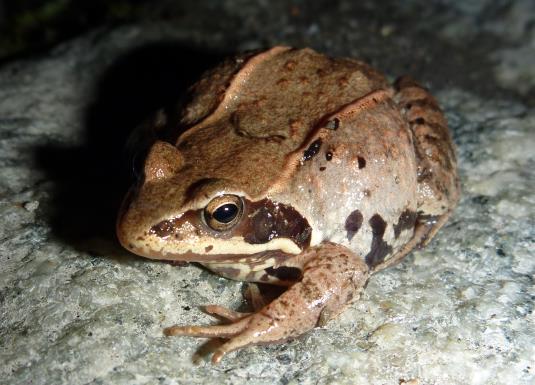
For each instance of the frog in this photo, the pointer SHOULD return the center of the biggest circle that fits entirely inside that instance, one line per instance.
(294, 169)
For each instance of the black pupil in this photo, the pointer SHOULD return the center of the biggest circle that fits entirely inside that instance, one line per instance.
(225, 213)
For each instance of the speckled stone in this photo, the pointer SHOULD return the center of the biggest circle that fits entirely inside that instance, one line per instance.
(77, 309)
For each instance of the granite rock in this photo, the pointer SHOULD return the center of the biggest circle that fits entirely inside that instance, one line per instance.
(77, 309)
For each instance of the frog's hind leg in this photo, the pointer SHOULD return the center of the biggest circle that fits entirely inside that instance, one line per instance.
(332, 277)
(438, 184)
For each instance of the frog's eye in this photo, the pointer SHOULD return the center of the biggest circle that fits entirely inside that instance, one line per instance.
(223, 212)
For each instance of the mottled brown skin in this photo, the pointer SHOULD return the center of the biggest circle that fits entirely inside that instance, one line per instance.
(329, 173)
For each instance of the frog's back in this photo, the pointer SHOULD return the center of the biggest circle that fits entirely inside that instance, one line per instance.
(266, 107)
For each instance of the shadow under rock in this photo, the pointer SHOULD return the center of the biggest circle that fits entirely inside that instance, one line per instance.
(91, 180)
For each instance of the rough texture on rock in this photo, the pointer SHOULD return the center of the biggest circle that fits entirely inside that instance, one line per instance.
(76, 309)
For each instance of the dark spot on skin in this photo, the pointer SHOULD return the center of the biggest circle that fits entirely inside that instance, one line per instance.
(367, 193)
(428, 219)
(267, 220)
(285, 273)
(163, 229)
(408, 106)
(361, 162)
(322, 168)
(406, 221)
(378, 225)
(175, 263)
(229, 272)
(208, 248)
(312, 150)
(284, 303)
(418, 121)
(353, 224)
(328, 155)
(423, 173)
(379, 248)
(333, 124)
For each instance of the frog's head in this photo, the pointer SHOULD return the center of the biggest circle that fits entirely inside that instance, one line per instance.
(183, 211)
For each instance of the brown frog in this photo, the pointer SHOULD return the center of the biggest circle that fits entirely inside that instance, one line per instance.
(299, 170)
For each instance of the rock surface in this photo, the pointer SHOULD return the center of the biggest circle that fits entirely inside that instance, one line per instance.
(76, 309)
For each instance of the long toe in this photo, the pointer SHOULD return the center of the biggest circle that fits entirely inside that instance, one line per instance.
(223, 331)
(225, 313)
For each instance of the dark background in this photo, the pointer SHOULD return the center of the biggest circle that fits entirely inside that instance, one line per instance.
(28, 26)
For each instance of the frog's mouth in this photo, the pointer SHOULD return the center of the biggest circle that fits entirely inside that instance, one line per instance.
(209, 249)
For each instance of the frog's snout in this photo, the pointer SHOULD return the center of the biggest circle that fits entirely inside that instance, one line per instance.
(123, 225)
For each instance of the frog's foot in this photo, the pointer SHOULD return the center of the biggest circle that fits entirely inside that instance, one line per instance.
(332, 276)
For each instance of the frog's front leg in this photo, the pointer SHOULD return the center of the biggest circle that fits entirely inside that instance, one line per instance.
(332, 278)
